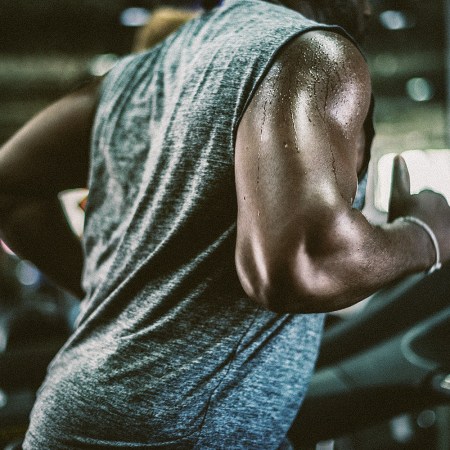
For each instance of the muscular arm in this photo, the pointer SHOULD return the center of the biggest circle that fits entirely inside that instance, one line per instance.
(300, 245)
(48, 155)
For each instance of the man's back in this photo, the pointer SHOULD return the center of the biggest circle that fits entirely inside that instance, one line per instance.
(168, 343)
(152, 317)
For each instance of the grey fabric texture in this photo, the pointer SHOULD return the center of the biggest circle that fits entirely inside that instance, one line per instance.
(168, 351)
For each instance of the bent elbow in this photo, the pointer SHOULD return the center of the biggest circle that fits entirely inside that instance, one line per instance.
(252, 271)
(317, 273)
(298, 285)
(281, 291)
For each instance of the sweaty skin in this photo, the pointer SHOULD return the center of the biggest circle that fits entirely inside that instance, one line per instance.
(300, 245)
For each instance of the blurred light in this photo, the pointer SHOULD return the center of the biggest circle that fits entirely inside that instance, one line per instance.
(420, 89)
(397, 20)
(402, 429)
(3, 399)
(445, 383)
(3, 342)
(325, 445)
(101, 64)
(72, 315)
(6, 248)
(386, 64)
(27, 274)
(428, 169)
(426, 419)
(134, 17)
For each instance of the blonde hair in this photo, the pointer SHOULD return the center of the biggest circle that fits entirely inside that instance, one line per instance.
(163, 22)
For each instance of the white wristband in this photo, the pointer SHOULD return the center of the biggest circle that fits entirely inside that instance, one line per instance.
(437, 265)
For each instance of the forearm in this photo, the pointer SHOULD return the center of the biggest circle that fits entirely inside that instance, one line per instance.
(361, 261)
(336, 263)
(36, 229)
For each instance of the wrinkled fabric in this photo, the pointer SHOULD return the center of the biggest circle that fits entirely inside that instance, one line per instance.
(168, 351)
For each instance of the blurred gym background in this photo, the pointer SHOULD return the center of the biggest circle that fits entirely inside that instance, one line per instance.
(49, 47)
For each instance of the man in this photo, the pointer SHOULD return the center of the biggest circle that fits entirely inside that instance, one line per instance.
(223, 168)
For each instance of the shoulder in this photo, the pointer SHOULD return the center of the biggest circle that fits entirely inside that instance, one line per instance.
(322, 72)
(325, 55)
(323, 47)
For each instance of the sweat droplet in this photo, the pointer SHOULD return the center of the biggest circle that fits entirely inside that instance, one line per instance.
(285, 146)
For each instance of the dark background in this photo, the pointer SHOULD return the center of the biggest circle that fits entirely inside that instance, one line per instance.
(48, 47)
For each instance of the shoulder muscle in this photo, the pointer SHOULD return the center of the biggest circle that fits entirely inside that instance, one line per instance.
(296, 154)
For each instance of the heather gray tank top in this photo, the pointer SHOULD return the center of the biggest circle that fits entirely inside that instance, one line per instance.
(169, 352)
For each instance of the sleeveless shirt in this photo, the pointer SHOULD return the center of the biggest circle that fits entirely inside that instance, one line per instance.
(168, 351)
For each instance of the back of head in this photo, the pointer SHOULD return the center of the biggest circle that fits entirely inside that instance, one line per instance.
(163, 22)
(209, 4)
(345, 13)
(349, 14)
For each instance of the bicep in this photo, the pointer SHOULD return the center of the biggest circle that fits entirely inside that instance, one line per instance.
(297, 152)
(51, 152)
